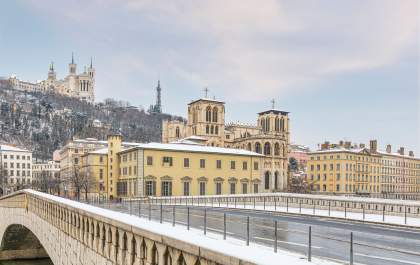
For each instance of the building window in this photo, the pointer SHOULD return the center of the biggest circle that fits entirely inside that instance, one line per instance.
(101, 173)
(219, 164)
(244, 165)
(149, 160)
(186, 162)
(121, 188)
(186, 188)
(202, 188)
(255, 165)
(167, 160)
(232, 188)
(267, 149)
(258, 148)
(208, 114)
(244, 188)
(214, 114)
(255, 188)
(338, 176)
(218, 188)
(232, 165)
(267, 180)
(166, 188)
(338, 187)
(177, 132)
(150, 188)
(202, 163)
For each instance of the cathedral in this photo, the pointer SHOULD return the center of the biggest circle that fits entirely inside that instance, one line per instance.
(81, 86)
(270, 136)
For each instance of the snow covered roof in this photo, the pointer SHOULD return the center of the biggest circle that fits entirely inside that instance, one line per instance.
(340, 149)
(102, 151)
(11, 148)
(206, 99)
(196, 137)
(197, 148)
(398, 155)
(275, 111)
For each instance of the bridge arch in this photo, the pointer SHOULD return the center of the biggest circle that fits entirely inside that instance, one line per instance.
(19, 242)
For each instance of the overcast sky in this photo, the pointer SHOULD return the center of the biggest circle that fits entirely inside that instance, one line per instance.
(344, 69)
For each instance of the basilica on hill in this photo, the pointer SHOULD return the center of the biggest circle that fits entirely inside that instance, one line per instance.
(77, 85)
(269, 137)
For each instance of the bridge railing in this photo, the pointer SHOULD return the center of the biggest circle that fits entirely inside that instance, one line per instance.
(304, 204)
(247, 227)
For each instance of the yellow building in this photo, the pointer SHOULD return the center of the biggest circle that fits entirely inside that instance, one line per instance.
(344, 168)
(156, 169)
(270, 136)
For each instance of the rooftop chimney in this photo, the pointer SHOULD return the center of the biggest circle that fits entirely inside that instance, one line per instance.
(341, 143)
(347, 145)
(401, 151)
(373, 146)
(388, 148)
(362, 145)
(411, 154)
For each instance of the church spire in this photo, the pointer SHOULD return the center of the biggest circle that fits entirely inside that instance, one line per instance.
(91, 62)
(52, 66)
(72, 58)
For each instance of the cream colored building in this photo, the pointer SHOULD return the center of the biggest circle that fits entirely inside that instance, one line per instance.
(400, 174)
(81, 86)
(71, 157)
(270, 136)
(188, 168)
(15, 168)
(49, 169)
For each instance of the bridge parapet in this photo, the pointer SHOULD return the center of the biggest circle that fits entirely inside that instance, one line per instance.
(84, 234)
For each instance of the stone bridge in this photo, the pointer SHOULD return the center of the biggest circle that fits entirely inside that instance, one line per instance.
(35, 225)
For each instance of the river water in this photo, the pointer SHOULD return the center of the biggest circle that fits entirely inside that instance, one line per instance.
(28, 262)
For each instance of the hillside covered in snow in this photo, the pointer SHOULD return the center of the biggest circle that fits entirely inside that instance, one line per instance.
(43, 122)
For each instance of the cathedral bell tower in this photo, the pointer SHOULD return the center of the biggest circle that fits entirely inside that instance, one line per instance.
(206, 119)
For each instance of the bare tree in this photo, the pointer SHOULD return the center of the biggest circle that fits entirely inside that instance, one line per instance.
(88, 183)
(76, 180)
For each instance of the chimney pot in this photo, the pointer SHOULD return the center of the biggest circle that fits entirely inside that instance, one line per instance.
(411, 154)
(388, 149)
(373, 146)
(401, 151)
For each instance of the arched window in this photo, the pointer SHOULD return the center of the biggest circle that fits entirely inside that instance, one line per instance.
(284, 150)
(263, 124)
(276, 180)
(177, 132)
(212, 129)
(258, 148)
(267, 148)
(249, 147)
(267, 124)
(207, 129)
(194, 116)
(267, 180)
(216, 130)
(276, 149)
(214, 114)
(282, 124)
(208, 114)
(277, 124)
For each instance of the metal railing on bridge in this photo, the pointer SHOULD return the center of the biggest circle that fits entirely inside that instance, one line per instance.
(198, 213)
